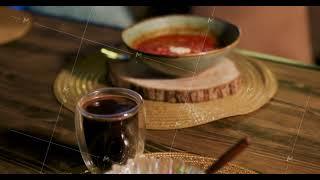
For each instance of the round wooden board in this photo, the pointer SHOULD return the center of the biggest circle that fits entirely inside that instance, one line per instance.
(219, 81)
(259, 85)
(14, 24)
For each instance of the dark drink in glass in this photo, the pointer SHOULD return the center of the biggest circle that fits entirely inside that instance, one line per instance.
(109, 125)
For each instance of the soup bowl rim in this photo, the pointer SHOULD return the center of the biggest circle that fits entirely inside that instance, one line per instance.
(211, 52)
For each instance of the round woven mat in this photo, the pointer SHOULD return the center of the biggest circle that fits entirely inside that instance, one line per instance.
(258, 86)
(202, 162)
(14, 24)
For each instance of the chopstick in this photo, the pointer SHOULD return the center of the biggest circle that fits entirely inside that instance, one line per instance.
(228, 156)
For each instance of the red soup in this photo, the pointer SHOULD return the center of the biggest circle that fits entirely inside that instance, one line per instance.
(177, 44)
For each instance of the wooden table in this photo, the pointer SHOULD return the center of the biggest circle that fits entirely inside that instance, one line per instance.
(285, 132)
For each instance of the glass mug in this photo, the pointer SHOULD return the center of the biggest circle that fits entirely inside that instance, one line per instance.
(110, 124)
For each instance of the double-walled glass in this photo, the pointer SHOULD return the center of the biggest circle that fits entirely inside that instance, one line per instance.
(105, 139)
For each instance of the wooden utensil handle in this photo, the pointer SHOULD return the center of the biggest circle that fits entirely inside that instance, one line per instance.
(228, 156)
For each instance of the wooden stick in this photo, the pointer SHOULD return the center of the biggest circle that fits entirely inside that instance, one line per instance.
(228, 156)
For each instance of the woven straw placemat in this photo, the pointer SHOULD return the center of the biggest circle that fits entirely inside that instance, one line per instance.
(258, 86)
(14, 24)
(202, 162)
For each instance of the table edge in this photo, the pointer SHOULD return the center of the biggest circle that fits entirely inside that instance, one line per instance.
(276, 59)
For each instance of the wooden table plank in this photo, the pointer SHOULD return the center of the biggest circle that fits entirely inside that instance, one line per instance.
(306, 149)
(28, 69)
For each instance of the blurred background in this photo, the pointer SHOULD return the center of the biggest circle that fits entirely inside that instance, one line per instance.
(287, 31)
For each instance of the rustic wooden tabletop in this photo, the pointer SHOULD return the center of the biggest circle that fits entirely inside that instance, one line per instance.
(285, 132)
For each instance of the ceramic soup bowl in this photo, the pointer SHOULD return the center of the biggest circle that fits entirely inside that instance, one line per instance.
(182, 65)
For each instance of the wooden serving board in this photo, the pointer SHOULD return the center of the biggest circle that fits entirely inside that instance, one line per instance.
(219, 81)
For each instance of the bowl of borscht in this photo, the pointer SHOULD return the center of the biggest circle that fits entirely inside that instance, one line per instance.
(181, 45)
